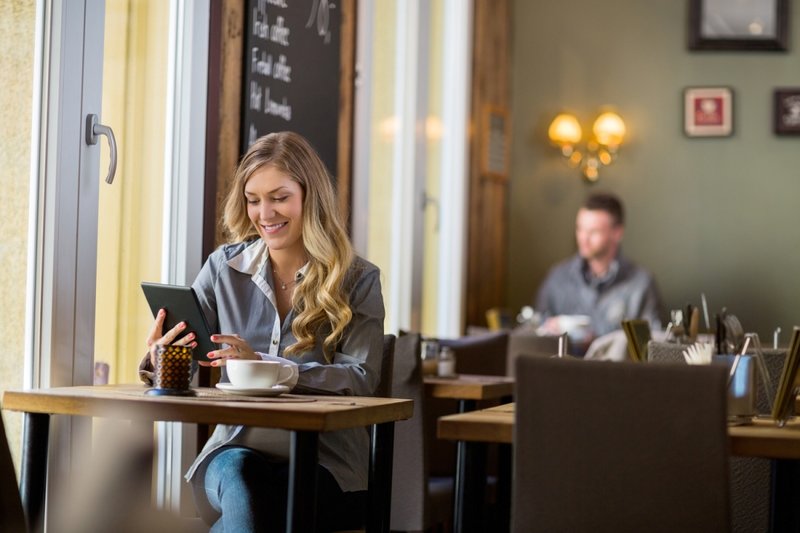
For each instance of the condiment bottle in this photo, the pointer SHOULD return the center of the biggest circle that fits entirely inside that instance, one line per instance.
(447, 362)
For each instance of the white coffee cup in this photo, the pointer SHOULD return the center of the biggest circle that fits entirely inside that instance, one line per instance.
(257, 374)
(578, 327)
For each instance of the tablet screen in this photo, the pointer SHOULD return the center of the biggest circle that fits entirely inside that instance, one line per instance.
(181, 304)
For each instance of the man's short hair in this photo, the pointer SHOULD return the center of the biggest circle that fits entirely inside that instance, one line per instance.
(606, 202)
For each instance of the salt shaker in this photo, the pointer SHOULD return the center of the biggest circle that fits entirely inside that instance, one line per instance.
(447, 362)
(430, 351)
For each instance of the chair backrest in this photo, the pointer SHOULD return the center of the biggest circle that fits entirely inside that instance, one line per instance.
(12, 518)
(480, 354)
(620, 447)
(384, 389)
(525, 341)
(410, 472)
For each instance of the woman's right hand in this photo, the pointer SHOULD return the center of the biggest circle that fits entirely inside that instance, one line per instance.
(237, 348)
(155, 337)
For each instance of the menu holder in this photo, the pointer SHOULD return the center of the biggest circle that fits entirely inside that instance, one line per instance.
(638, 335)
(783, 406)
(762, 365)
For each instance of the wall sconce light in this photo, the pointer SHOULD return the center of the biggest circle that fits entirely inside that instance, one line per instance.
(609, 131)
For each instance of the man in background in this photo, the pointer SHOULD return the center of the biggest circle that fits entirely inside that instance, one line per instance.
(598, 281)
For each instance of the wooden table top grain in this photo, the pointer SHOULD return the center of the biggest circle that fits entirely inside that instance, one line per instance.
(469, 387)
(308, 413)
(761, 438)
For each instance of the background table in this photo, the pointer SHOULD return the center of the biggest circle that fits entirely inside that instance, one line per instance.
(468, 389)
(305, 420)
(761, 439)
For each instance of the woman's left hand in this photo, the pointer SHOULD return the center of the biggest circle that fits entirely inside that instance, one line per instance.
(237, 348)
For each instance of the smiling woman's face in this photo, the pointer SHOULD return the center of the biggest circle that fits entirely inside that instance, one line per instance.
(275, 206)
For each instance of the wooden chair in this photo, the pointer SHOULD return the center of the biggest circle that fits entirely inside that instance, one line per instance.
(620, 447)
(384, 389)
(480, 354)
(418, 500)
(525, 341)
(12, 518)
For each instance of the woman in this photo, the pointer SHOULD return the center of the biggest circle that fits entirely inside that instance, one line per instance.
(288, 288)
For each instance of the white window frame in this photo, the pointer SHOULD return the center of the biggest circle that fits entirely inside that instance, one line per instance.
(408, 194)
(63, 213)
(184, 174)
(457, 91)
(408, 169)
(62, 255)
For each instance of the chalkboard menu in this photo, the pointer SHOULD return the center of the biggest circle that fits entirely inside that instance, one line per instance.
(291, 76)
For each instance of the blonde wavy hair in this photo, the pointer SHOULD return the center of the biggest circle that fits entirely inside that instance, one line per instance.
(319, 299)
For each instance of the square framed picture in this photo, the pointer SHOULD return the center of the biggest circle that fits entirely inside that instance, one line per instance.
(756, 25)
(787, 111)
(708, 111)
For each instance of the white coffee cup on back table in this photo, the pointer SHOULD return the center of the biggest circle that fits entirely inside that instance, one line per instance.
(258, 374)
(578, 327)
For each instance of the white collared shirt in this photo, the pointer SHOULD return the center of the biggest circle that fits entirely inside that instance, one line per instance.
(236, 290)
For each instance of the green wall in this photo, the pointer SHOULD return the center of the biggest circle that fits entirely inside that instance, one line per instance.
(713, 215)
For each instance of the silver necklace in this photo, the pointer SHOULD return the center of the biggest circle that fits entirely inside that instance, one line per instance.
(284, 284)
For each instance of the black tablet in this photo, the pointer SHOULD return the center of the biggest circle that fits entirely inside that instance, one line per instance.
(181, 304)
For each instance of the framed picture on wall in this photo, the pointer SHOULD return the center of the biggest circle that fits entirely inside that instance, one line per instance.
(787, 111)
(708, 111)
(727, 25)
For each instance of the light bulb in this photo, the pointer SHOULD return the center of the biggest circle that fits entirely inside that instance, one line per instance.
(565, 129)
(609, 129)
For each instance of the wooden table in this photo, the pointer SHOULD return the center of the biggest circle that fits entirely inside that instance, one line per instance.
(496, 424)
(468, 389)
(305, 420)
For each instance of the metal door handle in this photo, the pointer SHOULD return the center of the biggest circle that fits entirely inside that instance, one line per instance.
(93, 130)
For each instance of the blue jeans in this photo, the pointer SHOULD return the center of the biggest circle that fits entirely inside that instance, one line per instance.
(239, 489)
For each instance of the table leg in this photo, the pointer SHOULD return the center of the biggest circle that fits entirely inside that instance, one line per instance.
(785, 513)
(33, 471)
(465, 406)
(380, 478)
(504, 462)
(470, 487)
(301, 506)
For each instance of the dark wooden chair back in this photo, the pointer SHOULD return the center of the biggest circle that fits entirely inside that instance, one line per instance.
(384, 389)
(620, 447)
(418, 502)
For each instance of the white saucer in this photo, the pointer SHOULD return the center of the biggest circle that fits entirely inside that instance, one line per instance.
(275, 390)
